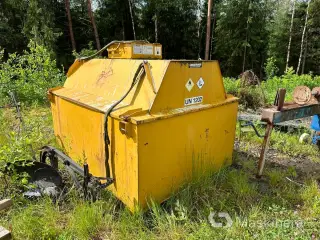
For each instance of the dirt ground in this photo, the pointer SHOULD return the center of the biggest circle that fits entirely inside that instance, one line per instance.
(304, 166)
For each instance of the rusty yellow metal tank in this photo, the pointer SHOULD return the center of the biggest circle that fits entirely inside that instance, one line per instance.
(175, 122)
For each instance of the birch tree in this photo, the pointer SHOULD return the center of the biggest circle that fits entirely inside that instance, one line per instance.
(156, 27)
(132, 20)
(290, 34)
(303, 37)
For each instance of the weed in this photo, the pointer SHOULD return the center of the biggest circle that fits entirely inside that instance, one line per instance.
(18, 149)
(37, 221)
(276, 177)
(87, 219)
(311, 197)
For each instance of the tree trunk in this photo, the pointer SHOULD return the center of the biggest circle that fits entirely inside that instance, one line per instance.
(302, 39)
(132, 21)
(246, 43)
(290, 36)
(208, 30)
(305, 54)
(212, 34)
(156, 27)
(123, 31)
(73, 43)
(199, 27)
(95, 31)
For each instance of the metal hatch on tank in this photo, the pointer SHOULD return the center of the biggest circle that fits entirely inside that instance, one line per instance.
(141, 125)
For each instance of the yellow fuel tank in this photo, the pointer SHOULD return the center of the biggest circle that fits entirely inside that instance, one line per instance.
(175, 123)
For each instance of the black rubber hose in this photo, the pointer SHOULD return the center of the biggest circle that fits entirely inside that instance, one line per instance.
(107, 114)
(249, 123)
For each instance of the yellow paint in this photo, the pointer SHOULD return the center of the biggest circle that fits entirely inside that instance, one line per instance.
(157, 143)
(135, 49)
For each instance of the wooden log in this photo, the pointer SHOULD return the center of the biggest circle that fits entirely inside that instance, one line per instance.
(5, 234)
(5, 203)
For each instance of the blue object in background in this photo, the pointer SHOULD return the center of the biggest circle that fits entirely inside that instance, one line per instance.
(315, 125)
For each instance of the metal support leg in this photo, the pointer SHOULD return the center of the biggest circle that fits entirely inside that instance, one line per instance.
(264, 149)
(86, 179)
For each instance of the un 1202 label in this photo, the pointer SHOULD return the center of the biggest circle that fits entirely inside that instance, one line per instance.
(193, 100)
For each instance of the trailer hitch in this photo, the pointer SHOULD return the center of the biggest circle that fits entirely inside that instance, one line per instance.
(89, 181)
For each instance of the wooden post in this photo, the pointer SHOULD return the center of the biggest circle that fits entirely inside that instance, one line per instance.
(264, 149)
(4, 234)
(5, 204)
(281, 97)
(208, 30)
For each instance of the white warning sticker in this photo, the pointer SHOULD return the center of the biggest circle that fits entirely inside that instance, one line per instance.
(142, 49)
(193, 100)
(157, 51)
(137, 49)
(200, 83)
(147, 50)
(189, 84)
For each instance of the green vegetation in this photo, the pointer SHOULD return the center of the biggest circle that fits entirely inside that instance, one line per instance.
(36, 49)
(286, 143)
(29, 75)
(273, 208)
(17, 148)
(259, 95)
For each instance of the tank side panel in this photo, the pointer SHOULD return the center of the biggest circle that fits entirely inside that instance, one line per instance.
(182, 83)
(80, 131)
(124, 162)
(174, 150)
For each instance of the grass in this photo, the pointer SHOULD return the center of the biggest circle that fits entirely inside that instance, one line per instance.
(283, 142)
(272, 208)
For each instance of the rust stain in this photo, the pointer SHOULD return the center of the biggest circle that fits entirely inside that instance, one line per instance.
(103, 76)
(207, 133)
(107, 72)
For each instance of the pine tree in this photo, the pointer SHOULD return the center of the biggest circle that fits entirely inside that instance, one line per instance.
(93, 22)
(73, 42)
(39, 23)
